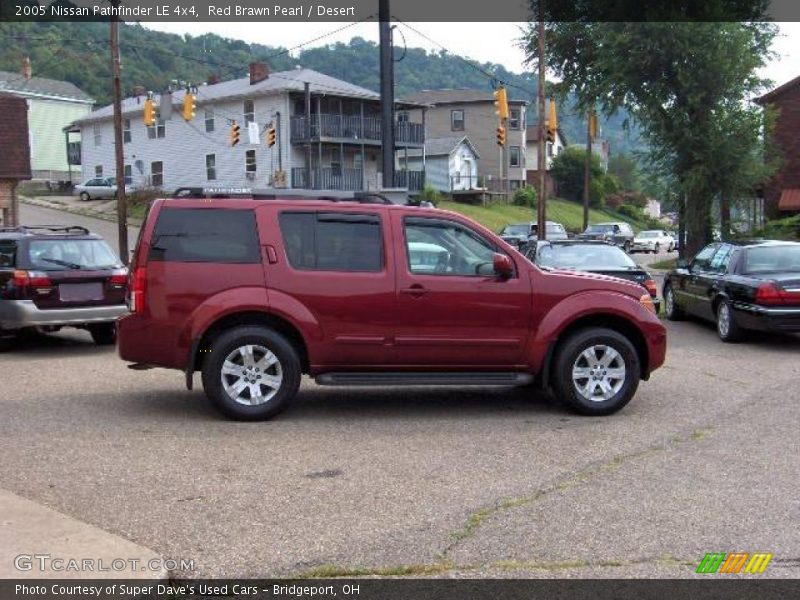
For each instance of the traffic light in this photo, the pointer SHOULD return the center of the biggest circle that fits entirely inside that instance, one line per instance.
(501, 103)
(593, 125)
(149, 113)
(235, 132)
(501, 136)
(272, 136)
(189, 106)
(552, 122)
(549, 132)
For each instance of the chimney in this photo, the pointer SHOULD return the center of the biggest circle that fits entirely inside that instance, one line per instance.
(26, 68)
(214, 78)
(258, 72)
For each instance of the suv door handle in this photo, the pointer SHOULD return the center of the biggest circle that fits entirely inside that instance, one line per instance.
(415, 291)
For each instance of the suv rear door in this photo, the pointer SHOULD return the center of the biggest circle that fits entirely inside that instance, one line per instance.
(448, 315)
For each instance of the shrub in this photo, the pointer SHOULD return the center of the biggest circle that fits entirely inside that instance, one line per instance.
(430, 194)
(787, 228)
(525, 196)
(631, 212)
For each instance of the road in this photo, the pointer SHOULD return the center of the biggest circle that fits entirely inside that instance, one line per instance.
(444, 482)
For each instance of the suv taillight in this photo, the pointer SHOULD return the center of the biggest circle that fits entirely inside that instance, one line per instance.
(136, 292)
(650, 286)
(31, 281)
(770, 294)
(119, 278)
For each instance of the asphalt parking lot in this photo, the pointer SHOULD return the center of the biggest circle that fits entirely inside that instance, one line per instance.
(471, 482)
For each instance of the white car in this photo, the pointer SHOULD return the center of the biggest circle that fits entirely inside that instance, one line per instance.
(653, 240)
(99, 187)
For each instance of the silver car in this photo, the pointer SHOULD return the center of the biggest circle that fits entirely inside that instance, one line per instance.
(99, 187)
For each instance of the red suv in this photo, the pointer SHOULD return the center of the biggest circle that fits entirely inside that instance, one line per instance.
(254, 292)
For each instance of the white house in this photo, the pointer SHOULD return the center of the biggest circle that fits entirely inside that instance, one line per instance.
(341, 142)
(552, 149)
(653, 208)
(450, 163)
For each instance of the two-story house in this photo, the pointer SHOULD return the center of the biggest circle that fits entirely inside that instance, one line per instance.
(52, 105)
(15, 161)
(552, 150)
(471, 113)
(328, 136)
(782, 191)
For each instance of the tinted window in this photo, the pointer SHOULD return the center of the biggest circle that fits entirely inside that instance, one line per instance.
(440, 248)
(772, 259)
(332, 241)
(205, 235)
(8, 254)
(701, 261)
(55, 255)
(583, 257)
(721, 258)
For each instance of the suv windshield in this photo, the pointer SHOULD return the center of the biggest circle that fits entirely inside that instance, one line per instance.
(772, 259)
(583, 257)
(516, 230)
(71, 254)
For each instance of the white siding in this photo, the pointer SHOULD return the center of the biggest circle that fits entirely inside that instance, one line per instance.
(184, 148)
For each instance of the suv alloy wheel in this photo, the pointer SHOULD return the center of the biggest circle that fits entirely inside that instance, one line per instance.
(251, 373)
(596, 371)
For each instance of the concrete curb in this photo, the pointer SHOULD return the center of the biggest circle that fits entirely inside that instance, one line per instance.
(31, 531)
(132, 221)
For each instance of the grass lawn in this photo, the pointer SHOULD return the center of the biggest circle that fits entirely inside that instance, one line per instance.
(569, 214)
(665, 265)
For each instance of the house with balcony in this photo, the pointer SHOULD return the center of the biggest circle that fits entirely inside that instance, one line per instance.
(328, 136)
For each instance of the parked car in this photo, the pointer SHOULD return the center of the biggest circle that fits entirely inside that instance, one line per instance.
(254, 292)
(653, 240)
(619, 234)
(739, 285)
(592, 257)
(519, 234)
(54, 277)
(99, 187)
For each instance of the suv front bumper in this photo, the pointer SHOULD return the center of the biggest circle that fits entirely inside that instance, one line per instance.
(17, 314)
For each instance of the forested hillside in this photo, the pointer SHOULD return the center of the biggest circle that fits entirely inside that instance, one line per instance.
(79, 52)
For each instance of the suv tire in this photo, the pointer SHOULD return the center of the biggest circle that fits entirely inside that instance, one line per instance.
(251, 363)
(597, 371)
(626, 246)
(104, 334)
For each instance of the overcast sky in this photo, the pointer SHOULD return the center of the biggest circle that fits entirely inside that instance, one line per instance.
(485, 42)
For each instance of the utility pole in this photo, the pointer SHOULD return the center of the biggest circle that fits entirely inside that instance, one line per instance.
(122, 203)
(587, 169)
(541, 214)
(307, 92)
(387, 95)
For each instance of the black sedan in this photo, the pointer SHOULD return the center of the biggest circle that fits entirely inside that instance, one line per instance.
(592, 256)
(739, 285)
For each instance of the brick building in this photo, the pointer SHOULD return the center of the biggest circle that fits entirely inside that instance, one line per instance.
(782, 192)
(15, 156)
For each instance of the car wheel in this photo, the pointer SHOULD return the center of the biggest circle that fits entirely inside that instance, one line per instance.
(103, 334)
(671, 309)
(727, 329)
(84, 196)
(597, 371)
(657, 248)
(251, 373)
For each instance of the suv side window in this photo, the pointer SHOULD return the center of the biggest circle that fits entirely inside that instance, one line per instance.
(214, 235)
(438, 247)
(8, 254)
(332, 241)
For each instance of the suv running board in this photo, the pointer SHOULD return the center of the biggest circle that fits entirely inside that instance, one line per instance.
(424, 378)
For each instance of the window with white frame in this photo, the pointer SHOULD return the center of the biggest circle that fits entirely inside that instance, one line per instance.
(157, 173)
(514, 118)
(211, 167)
(98, 171)
(98, 135)
(402, 116)
(250, 161)
(209, 121)
(126, 131)
(514, 157)
(249, 112)
(158, 130)
(358, 161)
(128, 172)
(457, 120)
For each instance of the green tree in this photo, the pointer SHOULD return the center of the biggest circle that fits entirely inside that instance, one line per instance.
(568, 173)
(674, 78)
(625, 168)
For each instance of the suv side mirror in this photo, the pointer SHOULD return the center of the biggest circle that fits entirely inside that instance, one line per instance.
(503, 267)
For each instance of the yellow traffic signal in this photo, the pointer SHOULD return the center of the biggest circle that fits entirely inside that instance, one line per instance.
(501, 103)
(552, 122)
(235, 132)
(549, 132)
(501, 136)
(593, 124)
(189, 106)
(272, 136)
(149, 113)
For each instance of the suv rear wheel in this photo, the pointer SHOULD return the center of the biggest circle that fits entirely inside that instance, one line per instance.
(251, 373)
(596, 371)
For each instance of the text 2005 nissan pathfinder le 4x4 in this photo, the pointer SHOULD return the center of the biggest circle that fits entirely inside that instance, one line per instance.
(253, 292)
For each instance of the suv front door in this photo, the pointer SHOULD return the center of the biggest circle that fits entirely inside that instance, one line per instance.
(452, 311)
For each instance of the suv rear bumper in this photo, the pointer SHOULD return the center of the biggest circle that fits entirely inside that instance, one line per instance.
(17, 314)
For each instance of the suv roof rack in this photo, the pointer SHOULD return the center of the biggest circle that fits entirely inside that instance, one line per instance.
(283, 194)
(76, 229)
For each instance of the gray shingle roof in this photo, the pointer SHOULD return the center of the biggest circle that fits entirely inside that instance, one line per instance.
(282, 81)
(450, 96)
(16, 83)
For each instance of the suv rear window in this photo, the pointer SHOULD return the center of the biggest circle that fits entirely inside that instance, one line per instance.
(50, 255)
(332, 241)
(215, 235)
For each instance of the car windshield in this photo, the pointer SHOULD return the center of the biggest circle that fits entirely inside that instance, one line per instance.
(649, 234)
(71, 254)
(554, 228)
(523, 229)
(772, 259)
(600, 229)
(112, 180)
(583, 257)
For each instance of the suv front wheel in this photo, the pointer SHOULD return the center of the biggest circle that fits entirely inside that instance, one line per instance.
(251, 373)
(596, 371)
